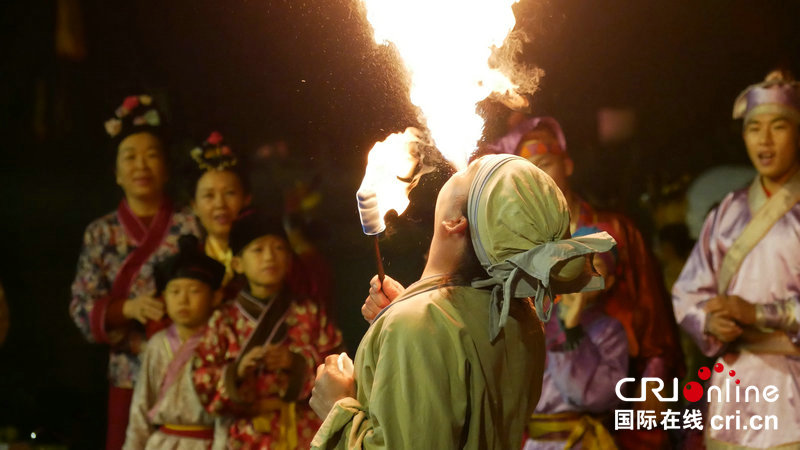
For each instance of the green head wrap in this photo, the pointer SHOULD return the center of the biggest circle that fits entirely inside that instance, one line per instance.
(517, 218)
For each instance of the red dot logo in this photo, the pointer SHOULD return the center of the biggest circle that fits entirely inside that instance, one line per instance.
(693, 391)
(732, 373)
(704, 373)
(718, 367)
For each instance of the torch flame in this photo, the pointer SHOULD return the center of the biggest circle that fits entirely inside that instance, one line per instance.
(446, 47)
(387, 180)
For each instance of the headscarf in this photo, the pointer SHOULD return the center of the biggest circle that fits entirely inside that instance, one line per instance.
(775, 95)
(517, 218)
(610, 257)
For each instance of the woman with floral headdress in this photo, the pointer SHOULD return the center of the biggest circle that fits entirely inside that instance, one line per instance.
(220, 192)
(113, 292)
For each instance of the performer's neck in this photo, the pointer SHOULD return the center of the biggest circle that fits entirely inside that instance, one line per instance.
(263, 292)
(443, 258)
(218, 242)
(773, 184)
(144, 206)
(185, 333)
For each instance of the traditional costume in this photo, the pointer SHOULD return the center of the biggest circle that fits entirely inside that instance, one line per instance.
(638, 299)
(116, 264)
(449, 365)
(216, 154)
(213, 154)
(582, 369)
(166, 413)
(750, 247)
(268, 409)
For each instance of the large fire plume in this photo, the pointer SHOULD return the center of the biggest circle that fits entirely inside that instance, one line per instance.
(446, 46)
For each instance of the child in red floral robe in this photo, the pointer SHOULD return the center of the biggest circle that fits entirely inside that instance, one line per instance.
(255, 365)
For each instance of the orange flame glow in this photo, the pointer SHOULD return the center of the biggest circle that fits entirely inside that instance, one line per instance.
(390, 167)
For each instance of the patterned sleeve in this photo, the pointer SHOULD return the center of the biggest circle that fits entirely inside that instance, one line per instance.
(215, 365)
(91, 288)
(315, 339)
(781, 315)
(696, 285)
(329, 337)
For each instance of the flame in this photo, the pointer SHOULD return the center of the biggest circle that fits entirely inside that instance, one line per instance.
(387, 180)
(446, 47)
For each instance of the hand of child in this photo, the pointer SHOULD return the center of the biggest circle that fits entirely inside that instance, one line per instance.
(277, 357)
(143, 308)
(380, 296)
(332, 384)
(250, 361)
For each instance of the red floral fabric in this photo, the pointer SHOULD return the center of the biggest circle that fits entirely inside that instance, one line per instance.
(309, 334)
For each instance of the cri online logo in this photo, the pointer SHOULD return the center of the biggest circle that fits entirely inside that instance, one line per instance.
(693, 391)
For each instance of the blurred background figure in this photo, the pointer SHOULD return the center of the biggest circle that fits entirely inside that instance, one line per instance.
(739, 294)
(255, 365)
(587, 354)
(113, 295)
(638, 299)
(165, 411)
(220, 191)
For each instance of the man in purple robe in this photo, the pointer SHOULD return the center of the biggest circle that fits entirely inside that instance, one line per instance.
(739, 294)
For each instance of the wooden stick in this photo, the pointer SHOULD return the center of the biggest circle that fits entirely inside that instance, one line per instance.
(379, 260)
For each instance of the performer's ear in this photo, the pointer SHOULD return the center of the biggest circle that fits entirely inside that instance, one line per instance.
(217, 299)
(236, 264)
(569, 166)
(456, 226)
(798, 142)
(610, 279)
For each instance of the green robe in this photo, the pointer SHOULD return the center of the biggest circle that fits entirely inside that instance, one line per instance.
(427, 376)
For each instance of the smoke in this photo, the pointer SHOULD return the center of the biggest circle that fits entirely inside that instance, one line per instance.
(427, 156)
(506, 59)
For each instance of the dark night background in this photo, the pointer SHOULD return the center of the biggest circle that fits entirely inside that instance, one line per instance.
(307, 73)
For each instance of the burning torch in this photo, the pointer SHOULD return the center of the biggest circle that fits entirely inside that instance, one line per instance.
(391, 167)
